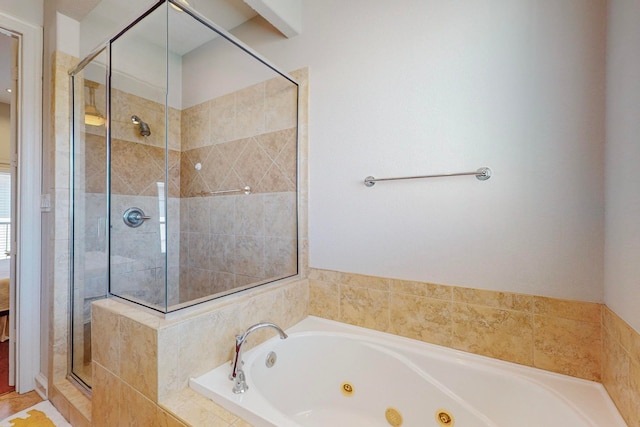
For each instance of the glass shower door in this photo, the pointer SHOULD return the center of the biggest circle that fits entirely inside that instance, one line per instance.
(89, 212)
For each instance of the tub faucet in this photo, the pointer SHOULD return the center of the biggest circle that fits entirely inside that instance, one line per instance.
(237, 374)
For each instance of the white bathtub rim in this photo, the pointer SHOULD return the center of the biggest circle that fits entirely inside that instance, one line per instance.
(562, 384)
(489, 364)
(493, 366)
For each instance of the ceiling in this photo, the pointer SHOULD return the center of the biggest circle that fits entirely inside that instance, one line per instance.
(101, 22)
(226, 13)
(112, 15)
(76, 9)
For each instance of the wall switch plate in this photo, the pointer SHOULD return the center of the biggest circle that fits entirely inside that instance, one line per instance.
(45, 202)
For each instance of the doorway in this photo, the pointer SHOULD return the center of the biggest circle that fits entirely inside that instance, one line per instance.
(8, 120)
(26, 313)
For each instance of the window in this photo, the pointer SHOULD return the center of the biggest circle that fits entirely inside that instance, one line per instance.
(5, 215)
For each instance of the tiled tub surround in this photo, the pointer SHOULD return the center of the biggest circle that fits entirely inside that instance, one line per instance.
(621, 365)
(142, 362)
(581, 339)
(556, 335)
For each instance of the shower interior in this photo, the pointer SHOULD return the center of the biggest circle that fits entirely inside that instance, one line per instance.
(179, 146)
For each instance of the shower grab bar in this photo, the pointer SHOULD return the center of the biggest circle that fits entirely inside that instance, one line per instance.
(246, 190)
(482, 174)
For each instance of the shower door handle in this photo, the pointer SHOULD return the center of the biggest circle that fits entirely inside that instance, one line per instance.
(134, 217)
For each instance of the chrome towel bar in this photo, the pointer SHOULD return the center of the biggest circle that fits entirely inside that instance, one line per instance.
(245, 190)
(482, 174)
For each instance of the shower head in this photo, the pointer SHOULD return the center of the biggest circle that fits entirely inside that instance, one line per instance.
(143, 128)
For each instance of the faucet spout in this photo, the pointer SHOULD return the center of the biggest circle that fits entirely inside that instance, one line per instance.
(237, 374)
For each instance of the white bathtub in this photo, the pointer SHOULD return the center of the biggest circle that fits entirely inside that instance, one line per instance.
(386, 373)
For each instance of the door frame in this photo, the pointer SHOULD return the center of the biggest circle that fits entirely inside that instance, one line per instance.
(25, 301)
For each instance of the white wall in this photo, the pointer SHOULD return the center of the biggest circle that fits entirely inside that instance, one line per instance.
(622, 252)
(5, 135)
(30, 11)
(140, 66)
(428, 86)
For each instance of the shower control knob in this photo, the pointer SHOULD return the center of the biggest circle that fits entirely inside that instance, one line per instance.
(134, 217)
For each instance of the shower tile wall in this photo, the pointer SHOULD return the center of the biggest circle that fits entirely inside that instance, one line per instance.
(245, 138)
(138, 165)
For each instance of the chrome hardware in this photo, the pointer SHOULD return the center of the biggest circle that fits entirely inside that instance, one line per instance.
(134, 217)
(246, 190)
(272, 358)
(481, 174)
(237, 374)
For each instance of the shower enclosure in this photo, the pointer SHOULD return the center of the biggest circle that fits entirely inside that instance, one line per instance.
(184, 170)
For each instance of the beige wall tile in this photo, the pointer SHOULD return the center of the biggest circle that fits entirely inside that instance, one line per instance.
(567, 346)
(621, 332)
(197, 126)
(503, 334)
(196, 410)
(295, 303)
(106, 397)
(139, 357)
(280, 104)
(60, 402)
(222, 118)
(615, 373)
(422, 289)
(327, 276)
(135, 409)
(166, 420)
(211, 346)
(76, 419)
(105, 343)
(566, 309)
(620, 371)
(364, 307)
(362, 281)
(79, 402)
(324, 299)
(168, 361)
(250, 111)
(241, 423)
(424, 319)
(496, 299)
(633, 414)
(266, 307)
(252, 163)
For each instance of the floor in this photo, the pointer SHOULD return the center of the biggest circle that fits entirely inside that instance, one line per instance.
(12, 403)
(4, 368)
